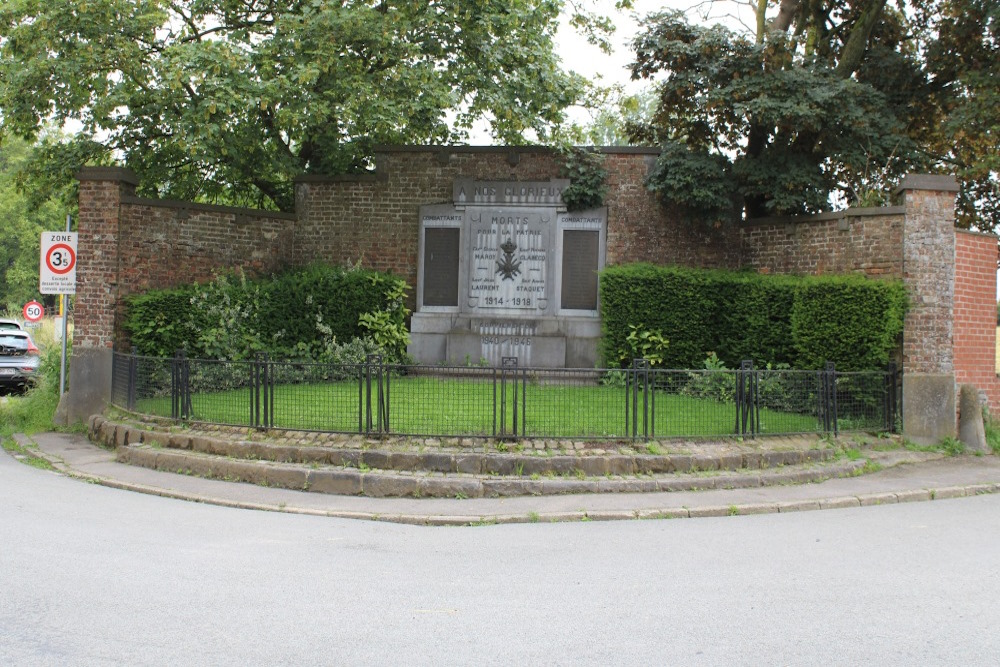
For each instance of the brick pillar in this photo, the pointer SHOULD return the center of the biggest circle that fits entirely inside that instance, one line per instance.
(101, 192)
(929, 275)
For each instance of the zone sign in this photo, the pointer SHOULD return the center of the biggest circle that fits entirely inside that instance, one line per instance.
(57, 269)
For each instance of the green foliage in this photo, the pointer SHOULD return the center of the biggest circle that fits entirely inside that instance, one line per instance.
(588, 179)
(310, 314)
(229, 100)
(23, 217)
(641, 343)
(849, 320)
(992, 433)
(711, 384)
(824, 100)
(802, 322)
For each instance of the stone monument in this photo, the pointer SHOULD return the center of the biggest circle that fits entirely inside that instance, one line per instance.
(505, 271)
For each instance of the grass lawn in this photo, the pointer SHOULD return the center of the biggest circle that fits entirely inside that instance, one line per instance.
(449, 406)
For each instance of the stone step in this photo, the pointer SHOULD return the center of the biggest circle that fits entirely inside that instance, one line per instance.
(327, 478)
(483, 461)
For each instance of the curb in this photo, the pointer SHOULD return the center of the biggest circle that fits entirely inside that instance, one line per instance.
(739, 509)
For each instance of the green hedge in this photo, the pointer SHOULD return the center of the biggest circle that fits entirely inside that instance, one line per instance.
(849, 320)
(300, 314)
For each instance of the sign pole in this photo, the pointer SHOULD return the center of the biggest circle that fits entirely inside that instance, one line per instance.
(65, 329)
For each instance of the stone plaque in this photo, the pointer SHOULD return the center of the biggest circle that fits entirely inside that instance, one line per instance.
(509, 249)
(441, 263)
(468, 192)
(580, 263)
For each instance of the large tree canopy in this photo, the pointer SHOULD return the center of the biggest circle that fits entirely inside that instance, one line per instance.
(23, 218)
(825, 98)
(231, 99)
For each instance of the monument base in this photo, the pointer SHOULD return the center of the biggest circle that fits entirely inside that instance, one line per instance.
(464, 340)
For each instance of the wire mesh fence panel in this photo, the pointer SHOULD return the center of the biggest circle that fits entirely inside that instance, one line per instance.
(789, 401)
(639, 402)
(151, 386)
(218, 392)
(440, 400)
(697, 403)
(861, 401)
(121, 370)
(315, 397)
(572, 403)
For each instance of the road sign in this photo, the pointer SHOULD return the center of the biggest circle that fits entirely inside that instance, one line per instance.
(57, 269)
(33, 311)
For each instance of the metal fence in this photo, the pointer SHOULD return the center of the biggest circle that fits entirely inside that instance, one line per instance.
(636, 403)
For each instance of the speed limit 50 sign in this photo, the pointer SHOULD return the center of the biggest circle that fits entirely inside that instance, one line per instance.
(57, 269)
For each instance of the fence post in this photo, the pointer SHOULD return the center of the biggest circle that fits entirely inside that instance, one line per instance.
(265, 390)
(828, 398)
(379, 408)
(639, 375)
(747, 399)
(133, 376)
(890, 397)
(175, 386)
(508, 369)
(186, 411)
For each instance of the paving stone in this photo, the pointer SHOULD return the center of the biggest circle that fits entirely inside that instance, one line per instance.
(756, 508)
(287, 477)
(704, 463)
(799, 506)
(709, 511)
(449, 487)
(686, 484)
(439, 462)
(949, 492)
(563, 486)
(739, 481)
(680, 463)
(627, 486)
(839, 503)
(379, 485)
(753, 460)
(620, 465)
(730, 461)
(493, 488)
(179, 441)
(339, 482)
(671, 513)
(376, 458)
(563, 465)
(469, 463)
(406, 460)
(870, 499)
(914, 495)
(495, 464)
(593, 466)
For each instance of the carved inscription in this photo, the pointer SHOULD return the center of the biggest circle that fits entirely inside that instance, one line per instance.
(509, 259)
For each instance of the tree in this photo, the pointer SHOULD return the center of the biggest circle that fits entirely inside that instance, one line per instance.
(826, 98)
(22, 221)
(229, 100)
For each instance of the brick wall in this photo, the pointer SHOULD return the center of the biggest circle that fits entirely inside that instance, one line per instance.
(374, 218)
(975, 314)
(929, 273)
(101, 192)
(860, 240)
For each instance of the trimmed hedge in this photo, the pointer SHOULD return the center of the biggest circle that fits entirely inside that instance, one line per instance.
(296, 315)
(850, 320)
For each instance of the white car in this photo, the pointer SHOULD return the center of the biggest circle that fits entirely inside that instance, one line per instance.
(9, 324)
(19, 359)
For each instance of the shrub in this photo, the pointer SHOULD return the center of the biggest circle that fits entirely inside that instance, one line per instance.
(804, 322)
(303, 315)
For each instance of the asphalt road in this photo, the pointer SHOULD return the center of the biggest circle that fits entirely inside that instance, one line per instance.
(97, 576)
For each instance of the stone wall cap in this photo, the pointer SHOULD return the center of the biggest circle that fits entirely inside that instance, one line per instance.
(973, 232)
(607, 150)
(215, 208)
(933, 182)
(122, 174)
(828, 215)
